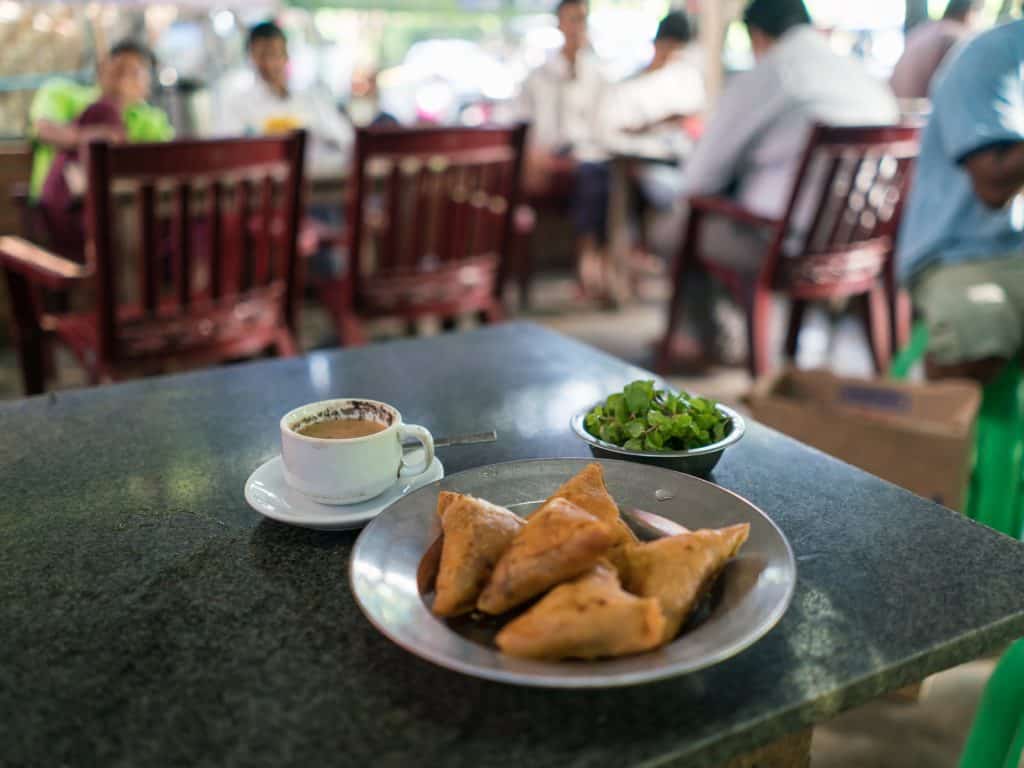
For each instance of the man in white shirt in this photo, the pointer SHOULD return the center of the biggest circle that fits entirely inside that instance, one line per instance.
(643, 115)
(262, 103)
(561, 100)
(752, 145)
(754, 141)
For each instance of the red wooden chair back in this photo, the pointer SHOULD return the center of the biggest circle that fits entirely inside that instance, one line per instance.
(431, 216)
(844, 209)
(215, 249)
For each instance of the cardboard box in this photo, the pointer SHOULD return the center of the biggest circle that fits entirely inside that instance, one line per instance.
(916, 435)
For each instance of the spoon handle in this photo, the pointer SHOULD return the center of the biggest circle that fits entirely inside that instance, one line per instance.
(474, 439)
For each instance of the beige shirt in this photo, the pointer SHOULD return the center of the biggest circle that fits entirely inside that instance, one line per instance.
(760, 127)
(676, 89)
(562, 111)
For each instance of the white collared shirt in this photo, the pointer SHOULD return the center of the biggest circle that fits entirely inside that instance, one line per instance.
(676, 89)
(562, 111)
(248, 107)
(759, 130)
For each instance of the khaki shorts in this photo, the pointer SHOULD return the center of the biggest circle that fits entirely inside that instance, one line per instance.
(973, 310)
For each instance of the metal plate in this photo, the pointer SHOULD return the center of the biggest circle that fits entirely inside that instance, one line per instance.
(753, 592)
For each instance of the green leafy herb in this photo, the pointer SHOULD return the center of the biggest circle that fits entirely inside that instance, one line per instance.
(644, 418)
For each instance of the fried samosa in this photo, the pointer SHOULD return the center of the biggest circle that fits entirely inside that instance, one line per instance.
(476, 535)
(588, 618)
(678, 570)
(587, 490)
(559, 542)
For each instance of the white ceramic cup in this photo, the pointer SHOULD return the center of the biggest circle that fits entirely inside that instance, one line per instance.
(351, 470)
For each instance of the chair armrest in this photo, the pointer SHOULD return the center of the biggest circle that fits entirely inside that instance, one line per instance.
(723, 206)
(38, 265)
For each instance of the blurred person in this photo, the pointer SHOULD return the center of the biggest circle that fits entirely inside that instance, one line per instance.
(754, 140)
(561, 99)
(119, 113)
(644, 116)
(928, 44)
(961, 246)
(60, 101)
(264, 104)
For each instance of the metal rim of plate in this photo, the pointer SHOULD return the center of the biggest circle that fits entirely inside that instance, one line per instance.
(756, 588)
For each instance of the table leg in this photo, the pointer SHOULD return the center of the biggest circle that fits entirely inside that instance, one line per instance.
(793, 751)
(619, 240)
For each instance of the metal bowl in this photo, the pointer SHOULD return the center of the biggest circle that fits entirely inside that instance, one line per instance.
(698, 461)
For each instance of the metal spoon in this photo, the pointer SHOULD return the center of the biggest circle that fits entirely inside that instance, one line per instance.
(474, 439)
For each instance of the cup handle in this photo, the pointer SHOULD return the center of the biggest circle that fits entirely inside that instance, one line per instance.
(424, 437)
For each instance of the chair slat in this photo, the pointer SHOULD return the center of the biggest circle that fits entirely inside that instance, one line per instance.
(183, 272)
(216, 244)
(246, 265)
(264, 269)
(418, 246)
(826, 204)
(149, 248)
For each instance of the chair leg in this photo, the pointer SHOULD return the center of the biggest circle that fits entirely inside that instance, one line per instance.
(878, 323)
(797, 310)
(493, 314)
(347, 324)
(759, 328)
(902, 317)
(29, 336)
(351, 332)
(681, 269)
(285, 345)
(524, 269)
(900, 311)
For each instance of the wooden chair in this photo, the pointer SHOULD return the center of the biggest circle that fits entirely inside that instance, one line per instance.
(854, 181)
(430, 226)
(216, 260)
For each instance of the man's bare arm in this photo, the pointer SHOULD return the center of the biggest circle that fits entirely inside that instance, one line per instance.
(997, 173)
(60, 135)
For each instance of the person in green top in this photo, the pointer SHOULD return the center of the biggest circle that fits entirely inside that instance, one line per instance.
(60, 101)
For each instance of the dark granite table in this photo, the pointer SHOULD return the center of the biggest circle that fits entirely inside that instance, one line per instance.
(149, 617)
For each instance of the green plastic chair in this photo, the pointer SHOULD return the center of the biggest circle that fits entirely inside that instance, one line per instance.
(995, 496)
(996, 739)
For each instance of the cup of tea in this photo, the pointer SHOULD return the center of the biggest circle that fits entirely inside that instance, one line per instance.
(349, 450)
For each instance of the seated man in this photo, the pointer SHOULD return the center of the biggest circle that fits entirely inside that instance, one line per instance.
(927, 46)
(752, 146)
(118, 113)
(561, 100)
(60, 101)
(643, 116)
(961, 248)
(263, 103)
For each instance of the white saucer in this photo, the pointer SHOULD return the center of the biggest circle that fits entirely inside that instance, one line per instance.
(268, 493)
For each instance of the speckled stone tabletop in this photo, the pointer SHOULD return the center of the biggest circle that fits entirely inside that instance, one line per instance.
(149, 617)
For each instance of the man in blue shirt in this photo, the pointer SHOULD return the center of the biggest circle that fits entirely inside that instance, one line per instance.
(961, 247)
